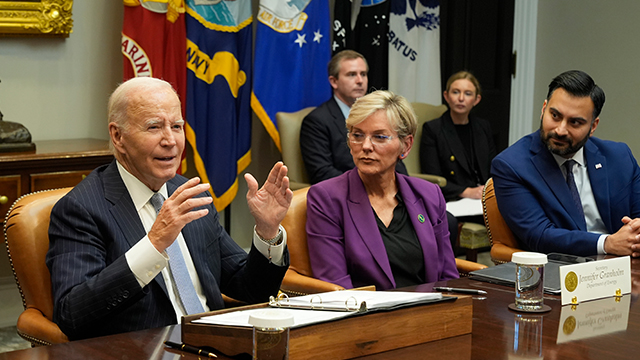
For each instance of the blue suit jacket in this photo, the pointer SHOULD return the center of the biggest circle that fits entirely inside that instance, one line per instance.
(535, 201)
(94, 291)
(345, 245)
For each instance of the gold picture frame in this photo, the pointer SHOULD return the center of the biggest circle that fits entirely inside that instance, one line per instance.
(36, 17)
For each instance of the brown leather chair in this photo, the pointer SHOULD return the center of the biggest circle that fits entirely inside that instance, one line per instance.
(26, 234)
(289, 129)
(503, 242)
(299, 278)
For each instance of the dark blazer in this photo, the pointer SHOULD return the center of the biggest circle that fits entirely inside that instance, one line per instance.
(345, 245)
(323, 143)
(94, 291)
(535, 201)
(442, 153)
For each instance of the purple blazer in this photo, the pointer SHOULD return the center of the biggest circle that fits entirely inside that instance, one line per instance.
(345, 245)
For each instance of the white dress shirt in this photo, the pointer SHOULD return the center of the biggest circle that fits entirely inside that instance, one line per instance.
(146, 262)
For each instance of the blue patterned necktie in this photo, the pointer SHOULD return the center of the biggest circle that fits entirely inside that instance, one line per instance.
(571, 182)
(179, 271)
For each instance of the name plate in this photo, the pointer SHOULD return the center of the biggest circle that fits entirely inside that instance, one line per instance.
(593, 318)
(595, 280)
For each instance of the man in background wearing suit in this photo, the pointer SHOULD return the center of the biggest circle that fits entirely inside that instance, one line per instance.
(112, 235)
(562, 190)
(323, 134)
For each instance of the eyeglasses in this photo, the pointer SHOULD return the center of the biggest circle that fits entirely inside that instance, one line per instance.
(376, 139)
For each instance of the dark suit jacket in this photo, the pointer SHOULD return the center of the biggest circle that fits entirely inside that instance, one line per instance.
(94, 291)
(345, 245)
(323, 143)
(442, 153)
(535, 201)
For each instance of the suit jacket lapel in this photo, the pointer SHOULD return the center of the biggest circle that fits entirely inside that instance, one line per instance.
(337, 118)
(123, 210)
(550, 173)
(454, 142)
(424, 230)
(364, 221)
(597, 171)
(481, 149)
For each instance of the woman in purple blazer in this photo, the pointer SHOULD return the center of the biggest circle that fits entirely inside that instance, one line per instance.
(372, 225)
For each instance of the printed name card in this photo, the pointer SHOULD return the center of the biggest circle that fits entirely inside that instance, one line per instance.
(595, 280)
(593, 318)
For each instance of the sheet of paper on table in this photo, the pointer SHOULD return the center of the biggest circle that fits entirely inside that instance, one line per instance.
(465, 207)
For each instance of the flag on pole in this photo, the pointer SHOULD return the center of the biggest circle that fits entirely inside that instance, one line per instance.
(363, 25)
(154, 41)
(291, 55)
(218, 54)
(414, 50)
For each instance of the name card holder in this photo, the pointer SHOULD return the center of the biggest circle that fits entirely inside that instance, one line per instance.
(595, 280)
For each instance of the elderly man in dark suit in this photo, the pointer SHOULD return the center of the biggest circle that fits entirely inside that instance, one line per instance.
(323, 135)
(122, 258)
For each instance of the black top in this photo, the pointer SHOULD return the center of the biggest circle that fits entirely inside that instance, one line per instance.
(403, 247)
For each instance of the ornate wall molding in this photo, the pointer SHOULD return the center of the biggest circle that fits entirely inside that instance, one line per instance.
(44, 17)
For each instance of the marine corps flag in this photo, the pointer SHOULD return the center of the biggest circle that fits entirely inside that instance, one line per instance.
(154, 42)
(414, 50)
(292, 52)
(218, 57)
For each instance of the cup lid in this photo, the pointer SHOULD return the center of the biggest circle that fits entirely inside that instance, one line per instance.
(529, 258)
(271, 318)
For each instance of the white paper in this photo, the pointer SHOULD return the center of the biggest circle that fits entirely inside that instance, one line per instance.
(465, 207)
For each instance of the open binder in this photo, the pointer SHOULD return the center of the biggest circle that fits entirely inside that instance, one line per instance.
(329, 306)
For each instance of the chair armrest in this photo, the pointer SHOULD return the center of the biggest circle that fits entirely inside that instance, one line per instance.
(295, 284)
(436, 179)
(501, 253)
(465, 267)
(36, 328)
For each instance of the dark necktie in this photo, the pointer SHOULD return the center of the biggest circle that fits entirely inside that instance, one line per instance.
(179, 271)
(571, 182)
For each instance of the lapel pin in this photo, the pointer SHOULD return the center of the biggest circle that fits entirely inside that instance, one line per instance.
(421, 218)
(598, 166)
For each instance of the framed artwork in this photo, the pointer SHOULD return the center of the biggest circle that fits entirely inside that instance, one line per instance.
(36, 17)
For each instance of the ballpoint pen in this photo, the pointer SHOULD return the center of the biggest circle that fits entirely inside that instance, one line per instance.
(462, 291)
(190, 349)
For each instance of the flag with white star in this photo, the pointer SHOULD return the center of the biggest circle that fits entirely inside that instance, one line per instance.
(291, 55)
(362, 25)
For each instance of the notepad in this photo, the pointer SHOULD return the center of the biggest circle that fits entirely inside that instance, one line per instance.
(329, 306)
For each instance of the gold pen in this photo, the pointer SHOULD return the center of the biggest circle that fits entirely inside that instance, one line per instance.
(190, 349)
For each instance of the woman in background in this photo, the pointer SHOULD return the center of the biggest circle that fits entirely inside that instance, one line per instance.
(372, 225)
(457, 146)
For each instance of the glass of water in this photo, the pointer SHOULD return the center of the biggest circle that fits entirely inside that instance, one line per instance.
(529, 280)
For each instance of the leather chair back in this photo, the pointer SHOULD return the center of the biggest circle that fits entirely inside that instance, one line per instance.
(289, 129)
(299, 278)
(26, 234)
(503, 241)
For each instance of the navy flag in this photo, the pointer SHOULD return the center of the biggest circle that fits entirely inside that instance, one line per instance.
(363, 25)
(291, 55)
(218, 92)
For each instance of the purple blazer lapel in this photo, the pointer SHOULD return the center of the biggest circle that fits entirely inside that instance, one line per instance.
(364, 221)
(420, 219)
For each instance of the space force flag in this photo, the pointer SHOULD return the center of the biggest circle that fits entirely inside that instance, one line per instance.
(218, 127)
(414, 50)
(291, 55)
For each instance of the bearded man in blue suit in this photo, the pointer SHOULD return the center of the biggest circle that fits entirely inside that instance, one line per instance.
(535, 188)
(123, 260)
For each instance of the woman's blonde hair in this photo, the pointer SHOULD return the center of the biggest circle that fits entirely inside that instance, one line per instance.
(399, 112)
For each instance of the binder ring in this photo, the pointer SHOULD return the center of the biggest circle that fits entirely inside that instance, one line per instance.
(311, 301)
(346, 304)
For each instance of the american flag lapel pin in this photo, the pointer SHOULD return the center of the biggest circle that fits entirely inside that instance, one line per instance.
(598, 166)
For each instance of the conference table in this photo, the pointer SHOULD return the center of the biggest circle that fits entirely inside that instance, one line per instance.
(601, 329)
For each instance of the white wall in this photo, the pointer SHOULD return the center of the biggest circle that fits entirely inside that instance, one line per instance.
(600, 38)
